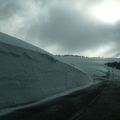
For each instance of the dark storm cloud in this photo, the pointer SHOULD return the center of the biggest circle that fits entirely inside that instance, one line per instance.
(8, 8)
(73, 31)
(57, 22)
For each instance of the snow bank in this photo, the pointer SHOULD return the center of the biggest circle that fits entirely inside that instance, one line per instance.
(27, 74)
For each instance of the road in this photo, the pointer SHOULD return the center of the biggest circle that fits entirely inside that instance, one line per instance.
(98, 102)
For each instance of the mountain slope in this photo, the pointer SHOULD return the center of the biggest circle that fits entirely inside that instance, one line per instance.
(28, 74)
(94, 67)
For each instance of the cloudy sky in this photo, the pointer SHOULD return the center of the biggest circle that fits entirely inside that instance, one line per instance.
(82, 27)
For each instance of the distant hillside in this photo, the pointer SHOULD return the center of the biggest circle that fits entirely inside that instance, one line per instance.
(94, 67)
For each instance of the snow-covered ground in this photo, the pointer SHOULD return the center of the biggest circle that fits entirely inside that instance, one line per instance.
(94, 67)
(29, 74)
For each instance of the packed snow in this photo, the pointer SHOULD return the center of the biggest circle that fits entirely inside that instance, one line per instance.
(29, 74)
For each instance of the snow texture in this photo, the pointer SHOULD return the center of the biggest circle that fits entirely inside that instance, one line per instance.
(29, 74)
(94, 67)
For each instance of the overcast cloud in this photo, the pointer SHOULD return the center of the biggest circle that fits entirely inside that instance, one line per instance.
(60, 26)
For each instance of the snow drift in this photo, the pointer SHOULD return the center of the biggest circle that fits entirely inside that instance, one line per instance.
(29, 74)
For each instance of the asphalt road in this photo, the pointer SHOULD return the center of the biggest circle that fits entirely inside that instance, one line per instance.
(98, 102)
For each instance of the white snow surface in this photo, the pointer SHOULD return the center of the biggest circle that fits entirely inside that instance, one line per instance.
(94, 67)
(28, 74)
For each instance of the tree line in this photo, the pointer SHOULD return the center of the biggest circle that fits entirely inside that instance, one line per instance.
(113, 65)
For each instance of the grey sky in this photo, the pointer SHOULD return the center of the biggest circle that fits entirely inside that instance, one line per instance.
(62, 26)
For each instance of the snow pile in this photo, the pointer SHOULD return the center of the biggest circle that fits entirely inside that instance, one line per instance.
(29, 74)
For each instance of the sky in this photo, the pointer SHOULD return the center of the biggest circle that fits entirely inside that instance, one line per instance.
(80, 27)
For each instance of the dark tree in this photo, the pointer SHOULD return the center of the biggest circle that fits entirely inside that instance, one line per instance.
(113, 65)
